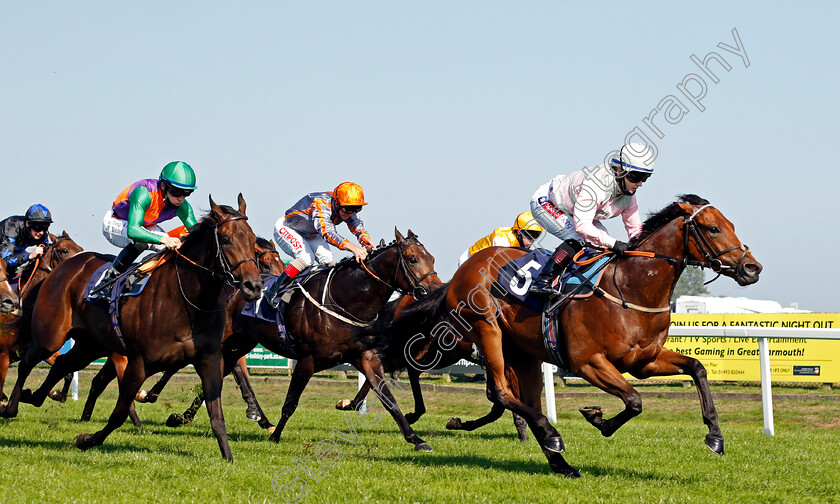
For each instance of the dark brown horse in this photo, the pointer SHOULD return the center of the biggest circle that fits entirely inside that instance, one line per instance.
(268, 260)
(14, 327)
(623, 330)
(426, 354)
(178, 319)
(331, 323)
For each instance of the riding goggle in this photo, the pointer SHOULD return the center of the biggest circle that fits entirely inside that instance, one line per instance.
(39, 227)
(637, 177)
(177, 193)
(531, 235)
(351, 209)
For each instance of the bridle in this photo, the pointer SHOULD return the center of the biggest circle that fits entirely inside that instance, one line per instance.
(226, 276)
(711, 257)
(40, 265)
(415, 289)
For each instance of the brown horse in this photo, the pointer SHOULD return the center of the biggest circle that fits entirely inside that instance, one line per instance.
(268, 260)
(620, 330)
(177, 319)
(8, 298)
(14, 327)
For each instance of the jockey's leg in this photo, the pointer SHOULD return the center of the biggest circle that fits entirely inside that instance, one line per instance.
(554, 267)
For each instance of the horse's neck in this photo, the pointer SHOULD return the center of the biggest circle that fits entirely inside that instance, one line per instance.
(655, 278)
(362, 281)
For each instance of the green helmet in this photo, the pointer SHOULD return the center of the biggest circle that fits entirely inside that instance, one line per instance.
(179, 174)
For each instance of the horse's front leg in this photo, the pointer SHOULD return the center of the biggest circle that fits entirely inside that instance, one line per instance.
(106, 375)
(304, 369)
(417, 392)
(209, 369)
(600, 372)
(668, 363)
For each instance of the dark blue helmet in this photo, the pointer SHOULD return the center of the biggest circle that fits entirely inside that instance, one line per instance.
(39, 213)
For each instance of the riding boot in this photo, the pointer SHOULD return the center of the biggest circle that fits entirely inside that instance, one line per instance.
(282, 281)
(125, 258)
(554, 267)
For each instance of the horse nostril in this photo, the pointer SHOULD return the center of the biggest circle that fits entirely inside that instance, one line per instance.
(752, 269)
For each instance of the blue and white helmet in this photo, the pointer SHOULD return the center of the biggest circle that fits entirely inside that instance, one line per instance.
(633, 157)
(38, 213)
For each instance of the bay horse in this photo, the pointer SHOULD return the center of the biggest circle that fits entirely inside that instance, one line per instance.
(269, 263)
(622, 330)
(330, 318)
(14, 327)
(177, 319)
(8, 297)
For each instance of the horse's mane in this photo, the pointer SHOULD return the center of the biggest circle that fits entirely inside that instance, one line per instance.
(263, 243)
(207, 223)
(419, 317)
(655, 221)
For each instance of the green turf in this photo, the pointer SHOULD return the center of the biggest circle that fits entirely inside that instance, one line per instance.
(657, 457)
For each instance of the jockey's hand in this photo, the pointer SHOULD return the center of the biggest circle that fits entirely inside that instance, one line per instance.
(620, 247)
(38, 251)
(366, 242)
(170, 242)
(358, 252)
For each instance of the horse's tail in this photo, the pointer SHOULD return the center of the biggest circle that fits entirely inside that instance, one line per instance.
(392, 334)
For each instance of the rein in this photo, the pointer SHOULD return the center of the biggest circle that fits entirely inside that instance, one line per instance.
(689, 230)
(416, 290)
(56, 258)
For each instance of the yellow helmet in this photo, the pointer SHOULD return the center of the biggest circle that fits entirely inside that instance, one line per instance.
(349, 194)
(526, 222)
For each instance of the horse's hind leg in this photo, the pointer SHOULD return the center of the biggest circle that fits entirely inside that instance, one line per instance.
(154, 393)
(61, 395)
(5, 360)
(372, 368)
(352, 404)
(496, 412)
(254, 411)
(130, 383)
(34, 354)
(75, 359)
(668, 363)
(304, 369)
(601, 373)
(106, 375)
(417, 392)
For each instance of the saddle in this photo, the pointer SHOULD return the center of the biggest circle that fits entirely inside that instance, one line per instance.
(130, 283)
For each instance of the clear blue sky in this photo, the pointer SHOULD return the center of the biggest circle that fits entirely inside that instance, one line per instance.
(449, 114)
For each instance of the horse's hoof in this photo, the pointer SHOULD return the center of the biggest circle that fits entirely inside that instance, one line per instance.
(271, 430)
(275, 436)
(26, 396)
(141, 396)
(554, 445)
(253, 416)
(83, 441)
(176, 420)
(454, 424)
(424, 447)
(55, 395)
(715, 444)
(344, 405)
(569, 472)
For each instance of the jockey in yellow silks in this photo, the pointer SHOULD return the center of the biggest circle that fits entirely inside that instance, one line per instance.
(524, 232)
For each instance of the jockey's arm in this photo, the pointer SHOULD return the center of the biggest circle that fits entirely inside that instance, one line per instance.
(185, 213)
(585, 226)
(632, 221)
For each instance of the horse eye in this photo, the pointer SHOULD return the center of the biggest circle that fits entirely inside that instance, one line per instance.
(225, 240)
(413, 260)
(714, 230)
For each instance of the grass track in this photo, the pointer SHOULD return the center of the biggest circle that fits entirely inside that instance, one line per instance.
(658, 457)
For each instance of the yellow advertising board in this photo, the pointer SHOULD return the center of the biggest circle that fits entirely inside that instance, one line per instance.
(736, 359)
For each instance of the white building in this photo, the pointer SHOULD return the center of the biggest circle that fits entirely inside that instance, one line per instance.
(709, 304)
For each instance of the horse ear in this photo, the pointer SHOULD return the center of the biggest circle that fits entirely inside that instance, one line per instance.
(241, 200)
(686, 208)
(400, 237)
(64, 234)
(217, 211)
(382, 243)
(411, 234)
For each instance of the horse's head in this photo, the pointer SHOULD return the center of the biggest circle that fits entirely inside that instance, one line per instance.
(710, 238)
(63, 247)
(268, 259)
(237, 243)
(8, 299)
(416, 272)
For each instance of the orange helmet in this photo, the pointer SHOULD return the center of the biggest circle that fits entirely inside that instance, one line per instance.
(349, 194)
